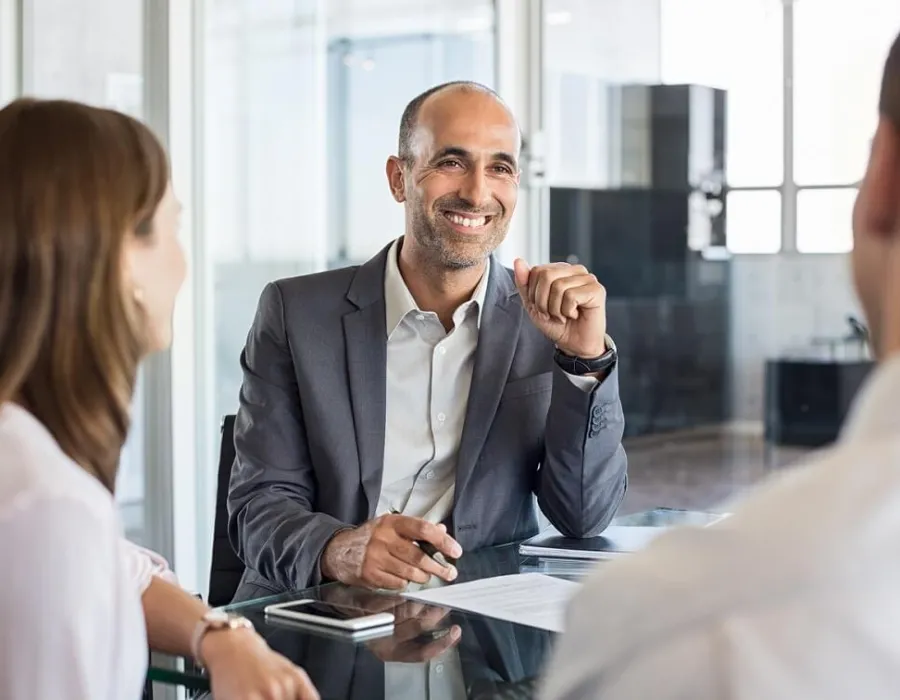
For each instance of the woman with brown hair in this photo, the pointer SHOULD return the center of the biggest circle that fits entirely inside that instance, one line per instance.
(90, 266)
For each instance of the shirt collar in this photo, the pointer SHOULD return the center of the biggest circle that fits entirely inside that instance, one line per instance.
(876, 410)
(398, 301)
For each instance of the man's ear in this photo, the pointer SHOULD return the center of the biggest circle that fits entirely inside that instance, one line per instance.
(876, 209)
(396, 179)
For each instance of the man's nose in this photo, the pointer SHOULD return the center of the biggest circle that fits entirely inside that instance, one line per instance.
(475, 189)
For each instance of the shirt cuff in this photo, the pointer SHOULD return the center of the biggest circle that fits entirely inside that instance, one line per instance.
(586, 384)
(143, 565)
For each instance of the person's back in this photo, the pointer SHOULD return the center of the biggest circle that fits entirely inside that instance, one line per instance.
(795, 595)
(64, 570)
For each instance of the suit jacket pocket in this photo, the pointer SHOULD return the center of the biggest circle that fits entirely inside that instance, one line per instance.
(535, 384)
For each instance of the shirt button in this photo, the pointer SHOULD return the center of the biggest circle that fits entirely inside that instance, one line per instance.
(439, 669)
(420, 317)
(429, 475)
(442, 350)
(441, 417)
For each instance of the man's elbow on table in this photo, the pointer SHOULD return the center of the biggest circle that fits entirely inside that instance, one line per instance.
(594, 516)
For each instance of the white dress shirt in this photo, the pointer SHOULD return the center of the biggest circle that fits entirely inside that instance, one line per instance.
(429, 374)
(796, 595)
(71, 623)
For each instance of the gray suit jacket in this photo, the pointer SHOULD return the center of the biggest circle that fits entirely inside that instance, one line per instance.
(309, 434)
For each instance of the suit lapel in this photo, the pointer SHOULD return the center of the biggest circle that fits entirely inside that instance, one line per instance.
(366, 345)
(497, 340)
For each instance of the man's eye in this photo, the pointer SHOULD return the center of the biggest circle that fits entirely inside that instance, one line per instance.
(450, 164)
(504, 169)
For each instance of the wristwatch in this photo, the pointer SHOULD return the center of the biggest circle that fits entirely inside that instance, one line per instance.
(580, 365)
(213, 621)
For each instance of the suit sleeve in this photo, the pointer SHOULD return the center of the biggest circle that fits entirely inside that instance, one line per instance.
(582, 479)
(272, 521)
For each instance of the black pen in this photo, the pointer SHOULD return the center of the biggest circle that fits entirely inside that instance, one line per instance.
(429, 548)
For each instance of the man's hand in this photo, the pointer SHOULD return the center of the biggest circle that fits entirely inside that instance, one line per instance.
(418, 635)
(382, 553)
(567, 304)
(241, 665)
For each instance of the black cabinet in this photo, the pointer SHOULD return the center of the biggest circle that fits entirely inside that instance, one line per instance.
(807, 401)
(668, 306)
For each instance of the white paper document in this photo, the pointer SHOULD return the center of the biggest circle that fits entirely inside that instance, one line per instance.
(535, 600)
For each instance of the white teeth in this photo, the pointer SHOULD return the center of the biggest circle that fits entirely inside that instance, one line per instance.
(467, 222)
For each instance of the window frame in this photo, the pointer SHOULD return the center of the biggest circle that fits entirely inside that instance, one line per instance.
(789, 187)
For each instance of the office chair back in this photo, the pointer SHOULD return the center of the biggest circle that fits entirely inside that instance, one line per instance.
(226, 568)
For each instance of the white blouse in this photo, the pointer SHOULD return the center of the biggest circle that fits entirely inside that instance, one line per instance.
(71, 623)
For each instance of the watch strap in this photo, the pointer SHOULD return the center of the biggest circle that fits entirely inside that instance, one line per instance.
(214, 621)
(579, 366)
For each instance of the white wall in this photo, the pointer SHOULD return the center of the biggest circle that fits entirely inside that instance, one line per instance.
(779, 303)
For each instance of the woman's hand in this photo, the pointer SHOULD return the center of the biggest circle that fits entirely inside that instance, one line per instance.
(242, 667)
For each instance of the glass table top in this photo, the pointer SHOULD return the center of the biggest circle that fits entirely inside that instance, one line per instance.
(490, 659)
(419, 660)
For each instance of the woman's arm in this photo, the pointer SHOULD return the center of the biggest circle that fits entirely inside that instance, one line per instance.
(239, 661)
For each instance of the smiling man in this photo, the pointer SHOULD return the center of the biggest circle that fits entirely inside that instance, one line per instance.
(429, 394)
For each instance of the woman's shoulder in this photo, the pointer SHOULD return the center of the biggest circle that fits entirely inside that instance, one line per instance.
(35, 472)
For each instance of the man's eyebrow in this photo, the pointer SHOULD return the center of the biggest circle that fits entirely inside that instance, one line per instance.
(464, 154)
(507, 158)
(452, 151)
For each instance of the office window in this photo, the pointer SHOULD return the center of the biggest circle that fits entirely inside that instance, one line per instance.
(592, 51)
(839, 51)
(824, 220)
(92, 51)
(753, 221)
(736, 45)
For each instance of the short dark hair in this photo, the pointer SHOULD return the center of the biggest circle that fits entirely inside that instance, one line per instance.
(889, 102)
(410, 118)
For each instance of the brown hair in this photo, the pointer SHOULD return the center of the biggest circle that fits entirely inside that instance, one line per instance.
(75, 182)
(889, 101)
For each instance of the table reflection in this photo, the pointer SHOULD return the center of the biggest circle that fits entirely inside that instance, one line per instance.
(433, 653)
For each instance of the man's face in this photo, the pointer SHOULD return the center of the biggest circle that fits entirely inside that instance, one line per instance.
(460, 190)
(876, 217)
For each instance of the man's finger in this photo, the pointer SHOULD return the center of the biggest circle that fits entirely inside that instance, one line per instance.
(586, 296)
(521, 269)
(408, 572)
(420, 626)
(558, 289)
(418, 529)
(411, 652)
(411, 554)
(378, 578)
(542, 279)
(409, 610)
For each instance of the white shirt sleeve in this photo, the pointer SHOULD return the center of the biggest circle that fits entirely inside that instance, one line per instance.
(59, 602)
(144, 564)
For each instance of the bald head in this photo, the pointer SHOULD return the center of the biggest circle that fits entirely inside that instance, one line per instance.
(457, 174)
(411, 115)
